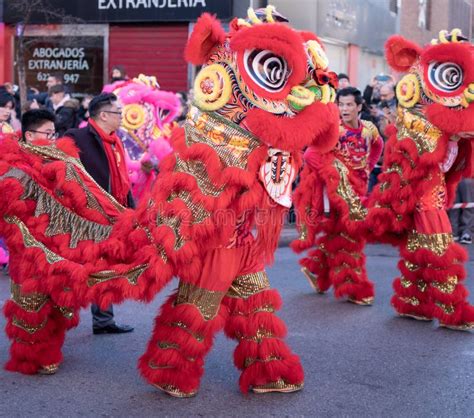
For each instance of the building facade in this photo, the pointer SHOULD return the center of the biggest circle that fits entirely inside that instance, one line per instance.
(83, 40)
(421, 20)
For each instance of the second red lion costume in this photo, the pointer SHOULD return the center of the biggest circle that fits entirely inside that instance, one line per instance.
(428, 152)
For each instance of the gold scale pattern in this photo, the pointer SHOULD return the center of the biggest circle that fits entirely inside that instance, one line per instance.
(232, 143)
(411, 124)
(30, 302)
(249, 284)
(437, 243)
(62, 220)
(206, 301)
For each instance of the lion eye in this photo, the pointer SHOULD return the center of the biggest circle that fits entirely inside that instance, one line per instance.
(268, 70)
(445, 76)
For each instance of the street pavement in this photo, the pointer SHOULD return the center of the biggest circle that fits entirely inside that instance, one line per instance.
(359, 362)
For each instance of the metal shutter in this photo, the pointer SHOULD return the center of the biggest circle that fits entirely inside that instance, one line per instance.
(152, 50)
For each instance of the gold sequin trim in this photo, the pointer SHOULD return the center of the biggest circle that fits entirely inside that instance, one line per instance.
(206, 301)
(357, 211)
(278, 386)
(183, 326)
(106, 275)
(197, 169)
(25, 326)
(250, 360)
(303, 232)
(448, 286)
(264, 308)
(174, 391)
(61, 219)
(410, 266)
(249, 284)
(165, 345)
(68, 313)
(448, 309)
(154, 366)
(49, 369)
(258, 337)
(30, 302)
(92, 202)
(412, 300)
(199, 213)
(421, 285)
(29, 241)
(437, 243)
(174, 223)
(411, 124)
(232, 143)
(395, 168)
(405, 282)
(51, 152)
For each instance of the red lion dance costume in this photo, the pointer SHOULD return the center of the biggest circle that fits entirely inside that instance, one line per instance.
(426, 155)
(256, 102)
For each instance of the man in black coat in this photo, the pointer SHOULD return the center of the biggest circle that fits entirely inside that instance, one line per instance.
(97, 153)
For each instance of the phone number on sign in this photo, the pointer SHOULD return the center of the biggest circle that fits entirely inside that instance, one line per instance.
(68, 78)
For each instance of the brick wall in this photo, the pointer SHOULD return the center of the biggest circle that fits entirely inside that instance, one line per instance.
(442, 14)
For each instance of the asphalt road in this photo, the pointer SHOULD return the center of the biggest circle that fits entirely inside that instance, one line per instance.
(359, 361)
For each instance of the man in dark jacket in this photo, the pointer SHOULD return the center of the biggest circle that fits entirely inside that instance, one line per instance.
(65, 108)
(102, 155)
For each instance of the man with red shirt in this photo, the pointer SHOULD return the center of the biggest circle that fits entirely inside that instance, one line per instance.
(360, 144)
(103, 157)
(339, 182)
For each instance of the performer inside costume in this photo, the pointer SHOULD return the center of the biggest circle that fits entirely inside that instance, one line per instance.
(329, 185)
(430, 150)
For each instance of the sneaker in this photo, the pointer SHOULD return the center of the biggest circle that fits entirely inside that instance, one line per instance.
(456, 238)
(466, 239)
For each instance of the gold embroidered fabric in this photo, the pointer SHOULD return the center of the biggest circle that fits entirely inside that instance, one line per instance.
(174, 223)
(263, 308)
(29, 328)
(410, 266)
(197, 169)
(198, 211)
(447, 308)
(232, 143)
(412, 124)
(251, 360)
(29, 241)
(258, 337)
(131, 275)
(357, 211)
(62, 220)
(448, 286)
(206, 301)
(53, 153)
(68, 313)
(183, 326)
(92, 202)
(437, 243)
(412, 300)
(405, 282)
(30, 302)
(249, 284)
